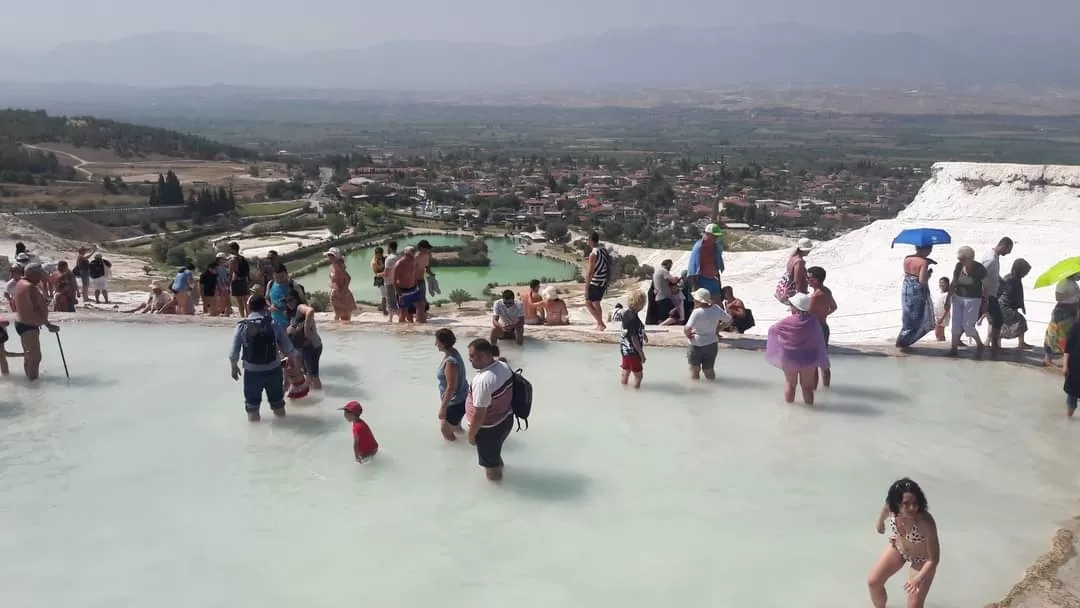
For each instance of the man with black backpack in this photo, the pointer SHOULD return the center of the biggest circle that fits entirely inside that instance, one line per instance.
(260, 340)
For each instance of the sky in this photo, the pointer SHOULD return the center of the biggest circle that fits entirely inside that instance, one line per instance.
(330, 24)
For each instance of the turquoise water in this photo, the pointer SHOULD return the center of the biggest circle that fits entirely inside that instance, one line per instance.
(141, 484)
(507, 268)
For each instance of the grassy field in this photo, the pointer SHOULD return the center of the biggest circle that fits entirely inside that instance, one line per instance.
(261, 209)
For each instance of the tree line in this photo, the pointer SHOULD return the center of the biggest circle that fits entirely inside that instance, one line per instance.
(124, 139)
(31, 167)
(201, 203)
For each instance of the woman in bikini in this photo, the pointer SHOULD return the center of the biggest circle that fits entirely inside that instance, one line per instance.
(341, 297)
(913, 539)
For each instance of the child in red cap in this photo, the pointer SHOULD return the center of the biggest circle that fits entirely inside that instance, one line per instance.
(364, 444)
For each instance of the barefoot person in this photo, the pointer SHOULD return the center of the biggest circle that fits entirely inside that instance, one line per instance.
(970, 292)
(597, 279)
(239, 279)
(555, 312)
(533, 303)
(796, 345)
(341, 296)
(507, 319)
(453, 384)
(258, 339)
(707, 262)
(913, 539)
(304, 335)
(31, 313)
(98, 281)
(488, 406)
(632, 342)
(703, 331)
(822, 305)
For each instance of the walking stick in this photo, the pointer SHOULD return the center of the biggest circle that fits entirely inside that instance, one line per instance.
(62, 357)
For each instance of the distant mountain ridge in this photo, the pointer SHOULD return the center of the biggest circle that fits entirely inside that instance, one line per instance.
(662, 56)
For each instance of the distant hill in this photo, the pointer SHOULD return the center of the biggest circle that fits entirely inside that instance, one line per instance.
(24, 165)
(124, 139)
(662, 56)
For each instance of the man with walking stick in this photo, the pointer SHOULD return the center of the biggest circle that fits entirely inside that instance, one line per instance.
(31, 313)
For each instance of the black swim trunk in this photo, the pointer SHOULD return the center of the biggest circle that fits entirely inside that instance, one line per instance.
(489, 442)
(993, 312)
(454, 413)
(826, 331)
(595, 293)
(21, 328)
(239, 288)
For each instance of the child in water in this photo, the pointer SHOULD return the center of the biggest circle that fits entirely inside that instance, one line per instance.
(822, 305)
(295, 379)
(941, 309)
(364, 445)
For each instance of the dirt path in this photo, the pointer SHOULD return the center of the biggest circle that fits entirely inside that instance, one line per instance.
(80, 162)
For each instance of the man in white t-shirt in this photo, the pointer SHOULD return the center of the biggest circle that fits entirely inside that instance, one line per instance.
(992, 263)
(489, 406)
(703, 331)
(507, 319)
(390, 291)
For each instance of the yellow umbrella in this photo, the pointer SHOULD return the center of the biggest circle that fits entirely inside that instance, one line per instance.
(1062, 270)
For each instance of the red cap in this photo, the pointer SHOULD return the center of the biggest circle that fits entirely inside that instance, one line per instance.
(354, 407)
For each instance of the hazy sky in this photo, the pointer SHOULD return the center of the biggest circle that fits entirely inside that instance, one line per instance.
(323, 24)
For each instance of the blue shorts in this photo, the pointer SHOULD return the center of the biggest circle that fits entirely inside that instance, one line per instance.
(411, 297)
(713, 285)
(272, 382)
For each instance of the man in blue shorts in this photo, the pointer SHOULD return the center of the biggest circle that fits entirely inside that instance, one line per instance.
(707, 262)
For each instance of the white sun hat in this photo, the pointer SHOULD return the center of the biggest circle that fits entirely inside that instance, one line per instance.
(702, 295)
(800, 301)
(805, 244)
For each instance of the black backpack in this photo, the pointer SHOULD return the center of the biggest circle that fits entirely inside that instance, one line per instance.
(521, 398)
(260, 341)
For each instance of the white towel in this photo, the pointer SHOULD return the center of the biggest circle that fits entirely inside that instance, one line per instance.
(433, 285)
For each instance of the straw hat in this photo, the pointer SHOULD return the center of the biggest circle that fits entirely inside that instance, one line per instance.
(702, 295)
(800, 302)
(805, 244)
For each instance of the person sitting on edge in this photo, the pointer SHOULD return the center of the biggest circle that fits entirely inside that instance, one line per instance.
(364, 445)
(533, 303)
(157, 303)
(707, 262)
(555, 312)
(507, 319)
(260, 339)
(32, 311)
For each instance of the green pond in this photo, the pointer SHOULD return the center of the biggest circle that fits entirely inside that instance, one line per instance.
(507, 268)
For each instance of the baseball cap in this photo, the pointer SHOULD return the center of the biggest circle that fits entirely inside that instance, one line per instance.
(714, 229)
(353, 407)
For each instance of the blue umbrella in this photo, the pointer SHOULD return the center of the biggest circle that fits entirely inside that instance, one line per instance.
(922, 237)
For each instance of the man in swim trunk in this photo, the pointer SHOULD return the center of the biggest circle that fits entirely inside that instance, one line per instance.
(32, 311)
(239, 279)
(707, 262)
(408, 290)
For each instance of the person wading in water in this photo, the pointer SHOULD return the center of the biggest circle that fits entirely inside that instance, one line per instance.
(32, 312)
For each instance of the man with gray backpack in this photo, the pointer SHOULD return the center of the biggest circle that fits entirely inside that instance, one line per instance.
(497, 395)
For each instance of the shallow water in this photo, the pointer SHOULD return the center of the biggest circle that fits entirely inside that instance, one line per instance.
(507, 268)
(140, 483)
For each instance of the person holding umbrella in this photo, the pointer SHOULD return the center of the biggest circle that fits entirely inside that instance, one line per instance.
(918, 317)
(1064, 276)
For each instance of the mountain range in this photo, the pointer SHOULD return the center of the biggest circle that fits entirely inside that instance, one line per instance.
(662, 56)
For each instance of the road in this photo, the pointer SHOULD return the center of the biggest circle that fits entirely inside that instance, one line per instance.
(79, 161)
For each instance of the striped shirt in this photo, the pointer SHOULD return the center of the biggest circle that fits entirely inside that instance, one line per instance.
(603, 267)
(490, 391)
